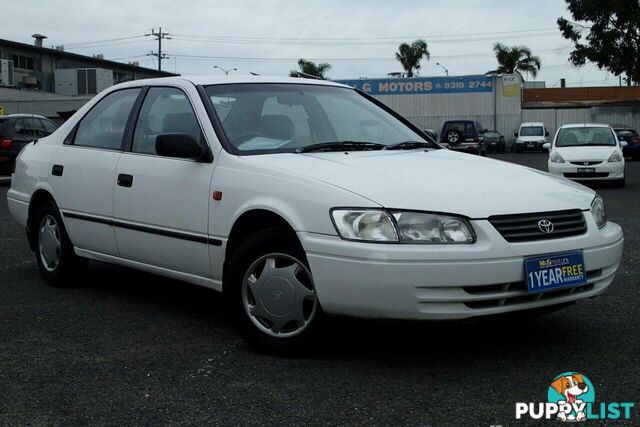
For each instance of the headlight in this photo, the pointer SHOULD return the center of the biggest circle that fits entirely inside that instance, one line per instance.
(598, 212)
(556, 158)
(615, 157)
(399, 226)
(366, 225)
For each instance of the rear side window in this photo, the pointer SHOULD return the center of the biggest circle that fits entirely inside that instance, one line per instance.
(104, 125)
(48, 126)
(165, 110)
(462, 127)
(24, 127)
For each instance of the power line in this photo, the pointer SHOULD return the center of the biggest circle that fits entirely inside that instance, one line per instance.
(434, 36)
(102, 41)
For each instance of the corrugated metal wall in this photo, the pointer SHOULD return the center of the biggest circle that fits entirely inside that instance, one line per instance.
(553, 118)
(430, 111)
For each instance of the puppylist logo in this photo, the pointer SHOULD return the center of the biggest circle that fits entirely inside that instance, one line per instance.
(571, 397)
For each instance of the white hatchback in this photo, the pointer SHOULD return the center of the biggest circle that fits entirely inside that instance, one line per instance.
(587, 152)
(299, 198)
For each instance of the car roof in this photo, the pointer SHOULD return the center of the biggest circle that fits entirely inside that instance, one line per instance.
(526, 124)
(10, 116)
(231, 79)
(584, 125)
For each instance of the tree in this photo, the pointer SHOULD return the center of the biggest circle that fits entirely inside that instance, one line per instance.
(515, 60)
(308, 67)
(410, 55)
(613, 38)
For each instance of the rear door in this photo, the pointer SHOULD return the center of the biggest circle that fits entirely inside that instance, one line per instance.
(162, 203)
(83, 172)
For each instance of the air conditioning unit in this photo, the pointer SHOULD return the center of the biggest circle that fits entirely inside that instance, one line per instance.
(6, 73)
(82, 81)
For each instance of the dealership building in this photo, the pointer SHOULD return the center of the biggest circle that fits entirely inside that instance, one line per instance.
(502, 102)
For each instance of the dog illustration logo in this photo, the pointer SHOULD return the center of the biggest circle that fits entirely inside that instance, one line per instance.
(572, 391)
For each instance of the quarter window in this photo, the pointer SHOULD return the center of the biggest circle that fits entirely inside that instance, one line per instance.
(104, 125)
(165, 110)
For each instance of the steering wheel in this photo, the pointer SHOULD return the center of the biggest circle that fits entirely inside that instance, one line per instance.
(244, 136)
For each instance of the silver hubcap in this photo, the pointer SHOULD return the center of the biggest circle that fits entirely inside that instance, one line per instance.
(453, 137)
(279, 296)
(49, 243)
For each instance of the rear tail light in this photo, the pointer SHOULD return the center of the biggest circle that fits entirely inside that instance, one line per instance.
(635, 139)
(6, 143)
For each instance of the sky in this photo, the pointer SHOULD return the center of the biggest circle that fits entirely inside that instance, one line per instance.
(357, 37)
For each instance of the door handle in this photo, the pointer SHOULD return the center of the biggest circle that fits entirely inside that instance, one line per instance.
(57, 170)
(125, 180)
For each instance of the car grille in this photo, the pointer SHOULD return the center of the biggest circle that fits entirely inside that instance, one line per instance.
(524, 227)
(516, 293)
(586, 163)
(586, 174)
(510, 296)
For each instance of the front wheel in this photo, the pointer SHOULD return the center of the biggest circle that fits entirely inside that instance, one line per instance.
(271, 293)
(621, 183)
(57, 262)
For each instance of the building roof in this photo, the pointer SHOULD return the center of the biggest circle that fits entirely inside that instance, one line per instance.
(582, 94)
(100, 63)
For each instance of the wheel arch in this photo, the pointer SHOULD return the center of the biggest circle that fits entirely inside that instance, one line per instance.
(39, 197)
(249, 223)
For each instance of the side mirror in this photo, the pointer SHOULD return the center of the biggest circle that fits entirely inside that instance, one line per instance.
(178, 145)
(515, 134)
(546, 146)
(546, 133)
(623, 144)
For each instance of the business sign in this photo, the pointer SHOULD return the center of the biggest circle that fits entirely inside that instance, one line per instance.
(422, 85)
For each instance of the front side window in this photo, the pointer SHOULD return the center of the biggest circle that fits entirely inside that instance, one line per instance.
(270, 118)
(531, 131)
(585, 136)
(104, 125)
(165, 110)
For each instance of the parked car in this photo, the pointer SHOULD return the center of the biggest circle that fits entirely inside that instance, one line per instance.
(631, 137)
(530, 136)
(17, 130)
(464, 135)
(495, 141)
(432, 134)
(300, 199)
(587, 152)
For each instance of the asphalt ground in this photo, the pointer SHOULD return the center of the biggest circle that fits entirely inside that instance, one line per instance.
(128, 348)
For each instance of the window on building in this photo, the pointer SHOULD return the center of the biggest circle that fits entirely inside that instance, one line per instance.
(23, 62)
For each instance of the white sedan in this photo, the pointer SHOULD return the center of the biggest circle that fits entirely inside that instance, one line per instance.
(302, 198)
(587, 152)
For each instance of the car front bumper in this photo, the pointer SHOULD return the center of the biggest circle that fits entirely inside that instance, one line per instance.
(602, 171)
(454, 281)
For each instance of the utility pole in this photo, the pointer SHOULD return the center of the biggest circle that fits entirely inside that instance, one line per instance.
(159, 35)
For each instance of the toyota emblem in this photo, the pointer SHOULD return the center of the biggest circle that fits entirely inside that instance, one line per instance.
(545, 226)
(585, 163)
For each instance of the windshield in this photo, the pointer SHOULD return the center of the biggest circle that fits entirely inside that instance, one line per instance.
(276, 118)
(584, 136)
(531, 131)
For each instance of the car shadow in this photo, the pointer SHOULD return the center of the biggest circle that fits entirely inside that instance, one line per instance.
(343, 337)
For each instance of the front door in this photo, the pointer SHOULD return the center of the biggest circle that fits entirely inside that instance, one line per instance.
(162, 203)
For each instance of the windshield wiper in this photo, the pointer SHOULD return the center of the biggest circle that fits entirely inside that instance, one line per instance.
(340, 146)
(408, 145)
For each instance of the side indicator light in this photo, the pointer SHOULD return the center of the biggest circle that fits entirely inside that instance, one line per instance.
(217, 195)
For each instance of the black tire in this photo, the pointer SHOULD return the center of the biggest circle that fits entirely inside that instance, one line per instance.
(518, 148)
(69, 266)
(274, 240)
(620, 183)
(483, 151)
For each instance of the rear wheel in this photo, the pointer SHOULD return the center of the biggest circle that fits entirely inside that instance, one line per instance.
(57, 262)
(454, 137)
(271, 292)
